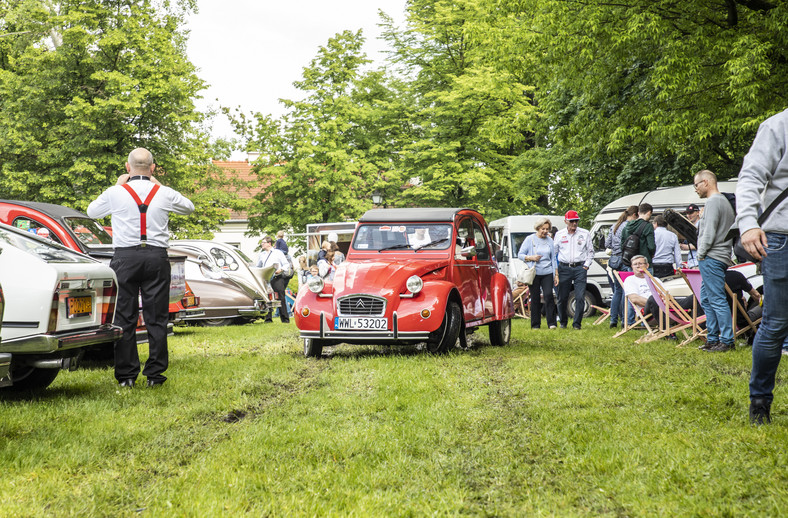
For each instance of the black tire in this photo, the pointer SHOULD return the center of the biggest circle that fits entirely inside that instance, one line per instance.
(217, 322)
(570, 305)
(449, 331)
(313, 348)
(31, 379)
(500, 332)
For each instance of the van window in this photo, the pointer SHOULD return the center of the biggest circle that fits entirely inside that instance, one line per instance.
(599, 237)
(517, 241)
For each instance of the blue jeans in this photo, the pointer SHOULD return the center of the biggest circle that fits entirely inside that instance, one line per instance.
(617, 302)
(569, 276)
(719, 321)
(767, 347)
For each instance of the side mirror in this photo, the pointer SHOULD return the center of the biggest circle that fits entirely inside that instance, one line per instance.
(500, 257)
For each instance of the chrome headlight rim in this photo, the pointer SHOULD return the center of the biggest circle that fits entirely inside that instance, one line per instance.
(414, 284)
(315, 284)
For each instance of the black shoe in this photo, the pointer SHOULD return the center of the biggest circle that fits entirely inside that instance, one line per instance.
(760, 411)
(267, 321)
(576, 327)
(613, 325)
(709, 345)
(563, 326)
(155, 383)
(722, 348)
(129, 383)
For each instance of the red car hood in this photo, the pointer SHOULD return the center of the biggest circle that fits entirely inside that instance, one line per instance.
(382, 277)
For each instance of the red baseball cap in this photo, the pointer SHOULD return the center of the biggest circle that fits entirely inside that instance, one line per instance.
(571, 215)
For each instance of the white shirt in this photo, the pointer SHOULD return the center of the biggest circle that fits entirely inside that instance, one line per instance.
(574, 248)
(639, 286)
(668, 250)
(126, 215)
(274, 257)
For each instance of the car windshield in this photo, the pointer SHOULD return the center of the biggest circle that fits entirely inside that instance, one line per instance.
(403, 237)
(89, 231)
(38, 247)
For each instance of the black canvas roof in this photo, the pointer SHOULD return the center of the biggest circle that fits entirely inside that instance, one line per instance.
(50, 209)
(405, 215)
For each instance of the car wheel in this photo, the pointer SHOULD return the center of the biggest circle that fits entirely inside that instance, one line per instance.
(217, 322)
(27, 378)
(449, 331)
(570, 305)
(313, 348)
(500, 332)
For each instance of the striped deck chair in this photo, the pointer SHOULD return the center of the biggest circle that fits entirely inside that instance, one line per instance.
(673, 318)
(693, 279)
(640, 319)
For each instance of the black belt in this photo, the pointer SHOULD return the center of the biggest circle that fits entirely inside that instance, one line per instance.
(573, 265)
(140, 247)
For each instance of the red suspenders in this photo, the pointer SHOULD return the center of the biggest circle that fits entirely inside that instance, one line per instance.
(143, 207)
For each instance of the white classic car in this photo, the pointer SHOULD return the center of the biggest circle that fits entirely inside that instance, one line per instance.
(57, 302)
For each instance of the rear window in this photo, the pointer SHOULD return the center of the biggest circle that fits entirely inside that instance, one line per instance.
(89, 231)
(40, 248)
(410, 237)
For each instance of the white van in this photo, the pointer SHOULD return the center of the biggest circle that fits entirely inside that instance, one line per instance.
(676, 198)
(510, 232)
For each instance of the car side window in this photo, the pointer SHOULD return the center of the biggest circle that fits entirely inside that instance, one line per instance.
(464, 237)
(34, 227)
(480, 242)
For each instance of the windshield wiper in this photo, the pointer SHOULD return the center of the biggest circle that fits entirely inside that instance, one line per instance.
(394, 247)
(432, 243)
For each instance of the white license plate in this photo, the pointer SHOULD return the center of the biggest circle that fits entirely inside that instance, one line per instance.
(361, 323)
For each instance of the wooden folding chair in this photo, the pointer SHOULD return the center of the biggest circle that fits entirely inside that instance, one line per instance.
(522, 303)
(604, 314)
(737, 308)
(672, 319)
(640, 319)
(693, 279)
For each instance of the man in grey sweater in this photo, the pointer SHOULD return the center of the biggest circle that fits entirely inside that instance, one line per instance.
(763, 176)
(714, 257)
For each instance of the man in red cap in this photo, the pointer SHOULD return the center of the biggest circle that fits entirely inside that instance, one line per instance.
(575, 253)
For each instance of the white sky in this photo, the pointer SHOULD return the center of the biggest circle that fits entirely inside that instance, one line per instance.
(251, 51)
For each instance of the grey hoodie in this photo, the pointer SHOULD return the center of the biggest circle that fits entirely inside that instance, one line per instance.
(713, 227)
(763, 176)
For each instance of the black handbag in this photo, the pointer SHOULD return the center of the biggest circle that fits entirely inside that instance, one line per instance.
(742, 255)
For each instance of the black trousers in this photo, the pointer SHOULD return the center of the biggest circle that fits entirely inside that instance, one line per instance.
(542, 284)
(279, 285)
(142, 271)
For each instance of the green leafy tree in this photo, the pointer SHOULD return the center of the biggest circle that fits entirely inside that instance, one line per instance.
(84, 82)
(326, 156)
(471, 115)
(638, 94)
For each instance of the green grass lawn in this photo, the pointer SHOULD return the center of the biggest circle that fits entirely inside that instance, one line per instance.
(560, 422)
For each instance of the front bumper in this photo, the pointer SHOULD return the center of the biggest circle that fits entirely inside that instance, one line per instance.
(344, 335)
(48, 343)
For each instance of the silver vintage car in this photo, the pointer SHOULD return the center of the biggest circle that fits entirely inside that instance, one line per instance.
(231, 289)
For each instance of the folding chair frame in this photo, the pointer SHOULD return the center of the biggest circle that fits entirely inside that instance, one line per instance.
(640, 319)
(672, 317)
(737, 307)
(698, 332)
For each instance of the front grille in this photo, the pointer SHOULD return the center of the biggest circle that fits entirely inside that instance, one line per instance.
(361, 306)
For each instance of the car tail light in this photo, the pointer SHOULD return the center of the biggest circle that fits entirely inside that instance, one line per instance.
(108, 294)
(52, 326)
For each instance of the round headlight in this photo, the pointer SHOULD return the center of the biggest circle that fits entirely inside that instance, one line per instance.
(315, 284)
(414, 284)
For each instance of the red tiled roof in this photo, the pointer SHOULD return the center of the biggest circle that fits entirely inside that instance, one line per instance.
(241, 170)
